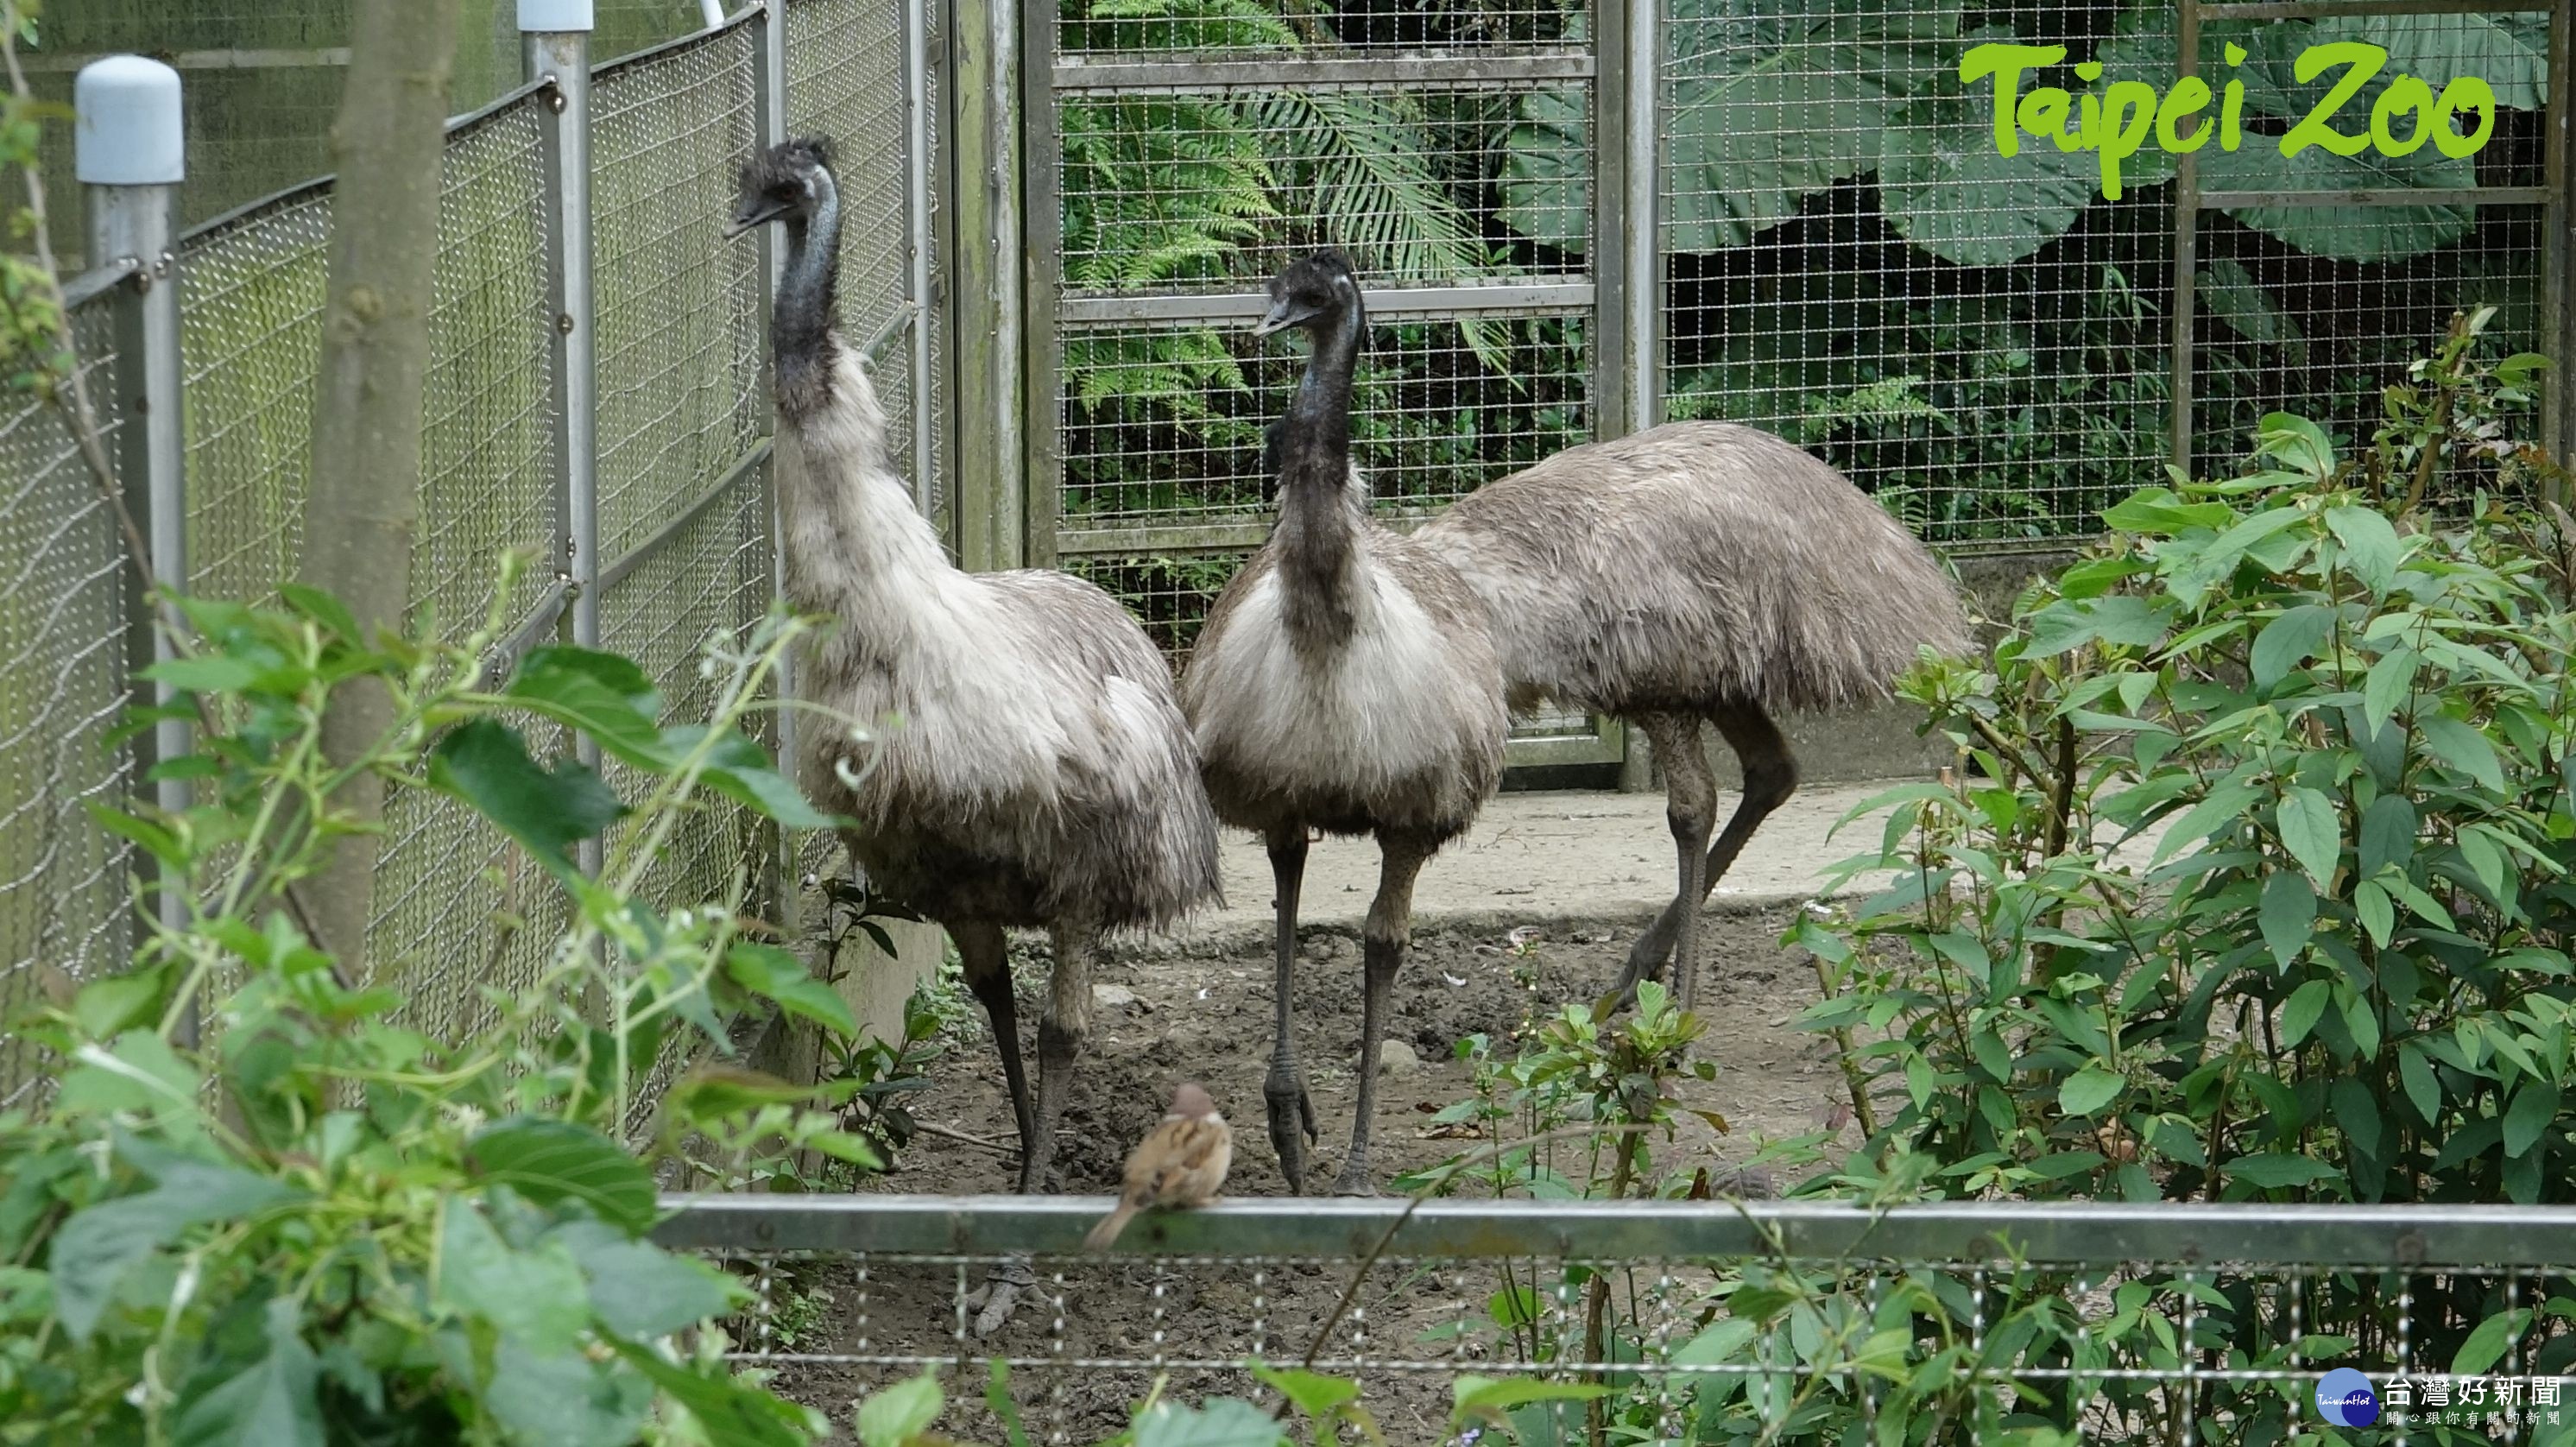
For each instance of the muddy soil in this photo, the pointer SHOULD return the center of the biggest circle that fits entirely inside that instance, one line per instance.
(1207, 1017)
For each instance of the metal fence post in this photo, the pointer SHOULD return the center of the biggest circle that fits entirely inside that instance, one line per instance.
(130, 151)
(984, 167)
(2558, 246)
(555, 35)
(1628, 187)
(779, 877)
(2186, 260)
(918, 160)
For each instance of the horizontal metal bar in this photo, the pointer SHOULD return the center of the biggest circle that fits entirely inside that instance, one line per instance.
(1383, 303)
(2053, 1232)
(540, 622)
(650, 53)
(98, 281)
(875, 345)
(473, 120)
(2326, 9)
(1560, 749)
(204, 60)
(301, 191)
(1299, 72)
(679, 523)
(1236, 534)
(2394, 196)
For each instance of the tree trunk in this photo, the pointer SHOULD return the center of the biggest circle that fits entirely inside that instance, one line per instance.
(358, 523)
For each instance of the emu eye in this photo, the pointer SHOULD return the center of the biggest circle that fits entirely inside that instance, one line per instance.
(786, 191)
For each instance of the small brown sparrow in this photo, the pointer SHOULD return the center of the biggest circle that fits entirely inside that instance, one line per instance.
(1182, 1163)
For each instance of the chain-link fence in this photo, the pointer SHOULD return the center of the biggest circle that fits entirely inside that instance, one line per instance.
(676, 465)
(1701, 1321)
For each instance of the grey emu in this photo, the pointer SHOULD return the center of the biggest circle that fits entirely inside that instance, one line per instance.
(1346, 681)
(1697, 571)
(1041, 773)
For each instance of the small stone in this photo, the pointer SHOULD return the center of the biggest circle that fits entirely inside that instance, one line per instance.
(1394, 1057)
(1114, 997)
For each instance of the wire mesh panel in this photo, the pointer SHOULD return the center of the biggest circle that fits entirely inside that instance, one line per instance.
(1841, 1322)
(250, 324)
(1166, 423)
(65, 588)
(679, 322)
(845, 81)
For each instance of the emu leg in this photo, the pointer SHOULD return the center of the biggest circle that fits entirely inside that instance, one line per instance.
(984, 953)
(985, 957)
(1292, 1113)
(1770, 777)
(1383, 942)
(1061, 1036)
(1690, 810)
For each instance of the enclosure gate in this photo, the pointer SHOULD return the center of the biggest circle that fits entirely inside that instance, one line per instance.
(1124, 129)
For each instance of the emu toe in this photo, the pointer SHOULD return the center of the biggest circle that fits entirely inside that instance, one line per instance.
(994, 1301)
(1292, 1126)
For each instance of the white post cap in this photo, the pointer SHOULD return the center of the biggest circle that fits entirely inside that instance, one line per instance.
(553, 17)
(127, 129)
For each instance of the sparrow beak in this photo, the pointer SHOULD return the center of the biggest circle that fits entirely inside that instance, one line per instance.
(754, 213)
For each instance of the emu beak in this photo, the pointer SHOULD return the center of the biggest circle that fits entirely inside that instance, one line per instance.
(751, 216)
(1283, 313)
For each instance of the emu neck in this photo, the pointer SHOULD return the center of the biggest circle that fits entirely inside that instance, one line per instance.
(801, 325)
(1320, 515)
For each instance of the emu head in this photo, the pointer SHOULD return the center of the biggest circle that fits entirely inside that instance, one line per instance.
(781, 182)
(1309, 289)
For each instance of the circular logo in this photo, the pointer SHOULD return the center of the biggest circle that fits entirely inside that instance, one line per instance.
(2345, 1399)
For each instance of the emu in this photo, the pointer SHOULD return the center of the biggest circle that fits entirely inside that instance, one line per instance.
(1697, 572)
(1042, 774)
(1346, 681)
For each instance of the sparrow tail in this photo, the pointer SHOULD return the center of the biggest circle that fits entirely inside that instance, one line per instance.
(1110, 1227)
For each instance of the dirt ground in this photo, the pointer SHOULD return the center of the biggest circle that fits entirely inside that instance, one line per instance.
(1163, 1019)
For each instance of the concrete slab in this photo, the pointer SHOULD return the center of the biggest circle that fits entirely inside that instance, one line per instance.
(1563, 857)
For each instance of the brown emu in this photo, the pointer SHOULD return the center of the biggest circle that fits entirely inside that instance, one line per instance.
(1346, 681)
(1038, 771)
(1697, 572)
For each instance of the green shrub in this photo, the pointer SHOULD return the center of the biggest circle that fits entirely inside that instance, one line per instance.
(308, 1223)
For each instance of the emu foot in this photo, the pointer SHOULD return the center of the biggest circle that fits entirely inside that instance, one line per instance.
(1356, 1179)
(1292, 1126)
(994, 1301)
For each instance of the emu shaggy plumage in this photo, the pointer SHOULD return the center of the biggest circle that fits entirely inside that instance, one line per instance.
(1026, 762)
(1697, 572)
(1346, 681)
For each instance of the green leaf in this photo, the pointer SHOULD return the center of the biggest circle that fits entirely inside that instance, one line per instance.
(105, 1009)
(642, 1291)
(2487, 1345)
(2306, 1005)
(1991, 1053)
(1223, 1422)
(554, 1160)
(2422, 1087)
(97, 1248)
(2378, 916)
(2157, 512)
(2313, 833)
(271, 1402)
(739, 769)
(2389, 686)
(2089, 1089)
(898, 1414)
(2287, 641)
(2534, 1107)
(486, 764)
(2271, 1171)
(536, 1297)
(2289, 914)
(1487, 1398)
(2371, 547)
(1944, 186)
(601, 694)
(2464, 748)
(734, 1413)
(1312, 1392)
(774, 974)
(2357, 1114)
(564, 1399)
(2233, 296)
(210, 673)
(2387, 834)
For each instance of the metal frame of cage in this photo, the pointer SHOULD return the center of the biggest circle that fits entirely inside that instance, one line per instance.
(1390, 1291)
(597, 395)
